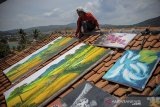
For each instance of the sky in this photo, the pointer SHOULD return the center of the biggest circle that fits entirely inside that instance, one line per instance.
(15, 14)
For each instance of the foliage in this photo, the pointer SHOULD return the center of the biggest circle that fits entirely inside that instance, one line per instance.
(148, 56)
(4, 48)
(36, 33)
(23, 39)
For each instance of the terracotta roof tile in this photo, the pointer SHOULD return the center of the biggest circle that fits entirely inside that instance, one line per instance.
(77, 83)
(135, 93)
(115, 51)
(136, 48)
(132, 43)
(109, 63)
(108, 67)
(120, 91)
(151, 38)
(4, 65)
(103, 69)
(66, 92)
(96, 77)
(1, 74)
(7, 84)
(5, 81)
(111, 88)
(151, 93)
(107, 58)
(117, 56)
(89, 75)
(137, 43)
(101, 83)
(158, 79)
(146, 91)
(140, 38)
(153, 43)
(2, 79)
(3, 88)
(152, 82)
(137, 37)
(98, 66)
(157, 45)
(157, 70)
(1, 97)
(10, 62)
(127, 47)
(147, 44)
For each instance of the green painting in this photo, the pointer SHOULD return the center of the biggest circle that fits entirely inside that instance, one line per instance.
(27, 64)
(44, 85)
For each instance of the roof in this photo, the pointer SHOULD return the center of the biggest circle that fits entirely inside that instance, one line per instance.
(152, 42)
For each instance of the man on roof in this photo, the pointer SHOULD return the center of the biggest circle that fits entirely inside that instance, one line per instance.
(86, 22)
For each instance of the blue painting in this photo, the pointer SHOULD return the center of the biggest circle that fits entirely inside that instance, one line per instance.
(134, 68)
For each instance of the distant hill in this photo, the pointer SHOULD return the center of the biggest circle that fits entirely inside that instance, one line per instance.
(40, 28)
(149, 22)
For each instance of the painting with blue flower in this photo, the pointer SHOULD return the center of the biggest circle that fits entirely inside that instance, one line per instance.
(134, 68)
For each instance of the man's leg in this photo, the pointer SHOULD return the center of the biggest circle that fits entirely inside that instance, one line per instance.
(84, 26)
(91, 26)
(88, 26)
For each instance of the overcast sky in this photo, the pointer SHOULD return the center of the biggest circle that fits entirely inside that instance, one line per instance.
(30, 13)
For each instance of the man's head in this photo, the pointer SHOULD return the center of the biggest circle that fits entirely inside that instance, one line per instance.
(80, 11)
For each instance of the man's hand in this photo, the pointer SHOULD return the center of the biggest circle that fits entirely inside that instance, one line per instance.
(98, 28)
(76, 35)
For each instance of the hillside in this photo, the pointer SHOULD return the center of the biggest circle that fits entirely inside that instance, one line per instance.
(149, 22)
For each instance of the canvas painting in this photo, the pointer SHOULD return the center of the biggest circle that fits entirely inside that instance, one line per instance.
(141, 101)
(51, 80)
(115, 40)
(88, 95)
(134, 68)
(27, 64)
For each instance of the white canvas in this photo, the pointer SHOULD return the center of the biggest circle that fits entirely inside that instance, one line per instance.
(116, 40)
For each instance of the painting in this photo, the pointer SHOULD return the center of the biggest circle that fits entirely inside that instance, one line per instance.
(134, 68)
(57, 103)
(30, 62)
(88, 95)
(115, 40)
(141, 101)
(48, 82)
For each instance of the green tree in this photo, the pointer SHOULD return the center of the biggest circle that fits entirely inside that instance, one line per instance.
(4, 48)
(14, 48)
(18, 47)
(23, 38)
(36, 34)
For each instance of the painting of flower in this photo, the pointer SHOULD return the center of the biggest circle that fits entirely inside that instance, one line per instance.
(115, 40)
(134, 68)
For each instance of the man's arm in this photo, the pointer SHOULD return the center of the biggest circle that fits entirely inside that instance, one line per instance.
(78, 26)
